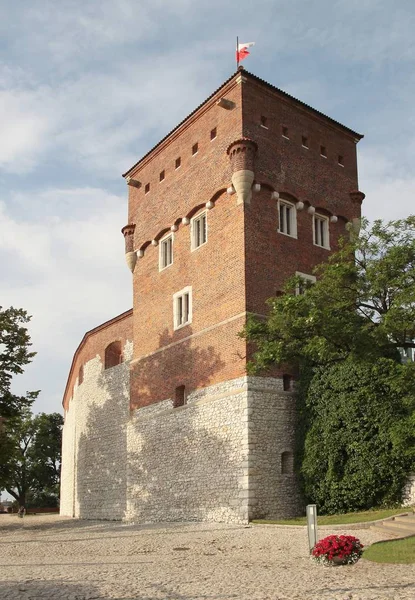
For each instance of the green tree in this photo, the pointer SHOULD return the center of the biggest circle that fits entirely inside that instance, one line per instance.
(360, 443)
(345, 334)
(363, 304)
(14, 355)
(30, 455)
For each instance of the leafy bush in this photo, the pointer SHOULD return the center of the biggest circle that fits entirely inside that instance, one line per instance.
(360, 436)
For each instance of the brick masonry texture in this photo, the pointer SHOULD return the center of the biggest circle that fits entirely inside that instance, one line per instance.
(227, 454)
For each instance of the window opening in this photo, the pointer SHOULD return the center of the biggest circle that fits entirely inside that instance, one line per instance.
(147, 188)
(113, 355)
(162, 175)
(178, 162)
(287, 463)
(285, 132)
(199, 231)
(166, 252)
(213, 134)
(182, 308)
(195, 148)
(179, 396)
(321, 231)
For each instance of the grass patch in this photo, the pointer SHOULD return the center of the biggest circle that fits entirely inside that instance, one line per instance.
(343, 519)
(397, 552)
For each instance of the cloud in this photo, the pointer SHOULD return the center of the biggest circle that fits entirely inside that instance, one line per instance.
(389, 189)
(59, 269)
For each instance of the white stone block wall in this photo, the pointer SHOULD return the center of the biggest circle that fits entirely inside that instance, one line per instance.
(67, 506)
(218, 458)
(272, 423)
(409, 491)
(188, 463)
(97, 457)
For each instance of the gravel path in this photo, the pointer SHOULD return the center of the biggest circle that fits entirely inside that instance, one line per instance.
(51, 557)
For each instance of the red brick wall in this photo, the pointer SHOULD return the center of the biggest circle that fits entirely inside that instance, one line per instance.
(94, 343)
(289, 167)
(245, 259)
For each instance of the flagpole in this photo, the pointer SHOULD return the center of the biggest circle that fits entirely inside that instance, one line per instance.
(237, 53)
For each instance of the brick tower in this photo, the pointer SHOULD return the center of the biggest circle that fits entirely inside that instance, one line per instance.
(251, 188)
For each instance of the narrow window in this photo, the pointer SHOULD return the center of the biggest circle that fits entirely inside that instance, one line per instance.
(287, 463)
(279, 293)
(304, 141)
(199, 230)
(162, 175)
(321, 231)
(287, 382)
(81, 374)
(178, 162)
(166, 252)
(285, 132)
(182, 308)
(323, 151)
(264, 122)
(179, 396)
(195, 148)
(113, 355)
(305, 281)
(340, 160)
(287, 218)
(213, 134)
(147, 188)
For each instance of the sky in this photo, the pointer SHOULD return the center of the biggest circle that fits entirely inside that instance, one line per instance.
(87, 88)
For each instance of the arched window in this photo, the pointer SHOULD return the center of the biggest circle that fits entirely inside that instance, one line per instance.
(81, 374)
(113, 355)
(287, 463)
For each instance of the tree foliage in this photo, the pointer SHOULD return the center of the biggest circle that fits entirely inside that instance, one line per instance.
(14, 355)
(30, 455)
(362, 304)
(345, 333)
(360, 443)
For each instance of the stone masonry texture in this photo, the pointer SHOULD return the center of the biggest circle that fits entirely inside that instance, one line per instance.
(227, 453)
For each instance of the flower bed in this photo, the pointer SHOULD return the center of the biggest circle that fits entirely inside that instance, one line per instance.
(337, 550)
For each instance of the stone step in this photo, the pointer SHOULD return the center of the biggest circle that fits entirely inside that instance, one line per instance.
(401, 523)
(396, 531)
(407, 518)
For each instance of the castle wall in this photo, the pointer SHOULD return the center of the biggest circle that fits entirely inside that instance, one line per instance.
(284, 162)
(94, 451)
(272, 421)
(207, 350)
(188, 463)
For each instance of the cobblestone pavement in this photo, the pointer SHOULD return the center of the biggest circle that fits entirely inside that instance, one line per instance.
(51, 557)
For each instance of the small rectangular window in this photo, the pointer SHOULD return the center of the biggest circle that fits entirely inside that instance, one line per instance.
(162, 175)
(182, 308)
(179, 396)
(305, 281)
(147, 188)
(178, 162)
(213, 134)
(195, 149)
(166, 252)
(323, 151)
(199, 230)
(321, 231)
(304, 141)
(264, 122)
(340, 160)
(285, 132)
(287, 218)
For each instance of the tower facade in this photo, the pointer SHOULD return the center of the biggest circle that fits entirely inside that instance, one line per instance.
(251, 188)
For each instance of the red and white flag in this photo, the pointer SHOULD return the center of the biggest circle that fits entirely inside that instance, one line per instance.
(242, 50)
